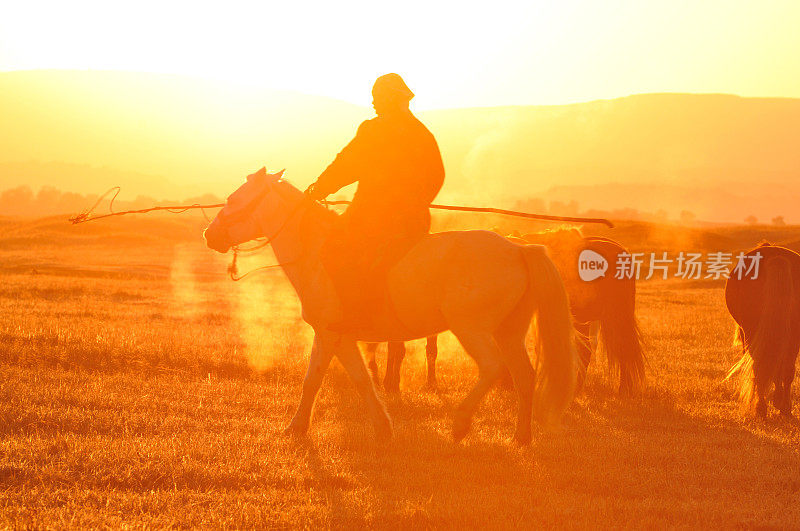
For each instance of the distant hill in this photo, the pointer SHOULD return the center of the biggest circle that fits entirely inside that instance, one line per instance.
(720, 143)
(730, 202)
(173, 136)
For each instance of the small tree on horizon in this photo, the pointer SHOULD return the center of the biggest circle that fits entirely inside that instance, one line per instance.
(778, 221)
(751, 220)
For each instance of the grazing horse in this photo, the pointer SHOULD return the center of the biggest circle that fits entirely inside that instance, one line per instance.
(482, 287)
(607, 301)
(767, 314)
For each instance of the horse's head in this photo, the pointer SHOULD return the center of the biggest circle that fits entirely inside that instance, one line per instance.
(237, 222)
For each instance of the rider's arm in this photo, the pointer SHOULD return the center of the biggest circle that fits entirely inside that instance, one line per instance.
(349, 165)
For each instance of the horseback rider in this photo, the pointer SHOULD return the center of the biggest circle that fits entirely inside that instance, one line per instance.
(398, 167)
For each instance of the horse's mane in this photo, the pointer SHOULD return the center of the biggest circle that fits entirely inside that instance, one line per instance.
(563, 230)
(292, 194)
(562, 236)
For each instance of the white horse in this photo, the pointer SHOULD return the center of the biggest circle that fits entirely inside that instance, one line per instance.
(482, 287)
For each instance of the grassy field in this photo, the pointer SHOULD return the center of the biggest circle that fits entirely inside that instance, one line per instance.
(139, 386)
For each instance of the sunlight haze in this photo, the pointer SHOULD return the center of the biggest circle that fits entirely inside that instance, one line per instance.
(452, 54)
(399, 265)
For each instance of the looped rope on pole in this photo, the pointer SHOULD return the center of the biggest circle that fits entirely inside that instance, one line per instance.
(84, 216)
(177, 209)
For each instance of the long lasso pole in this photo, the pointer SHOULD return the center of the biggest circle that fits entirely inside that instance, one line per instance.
(82, 218)
(488, 210)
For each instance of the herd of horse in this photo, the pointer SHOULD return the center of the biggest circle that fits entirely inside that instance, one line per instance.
(489, 290)
(604, 307)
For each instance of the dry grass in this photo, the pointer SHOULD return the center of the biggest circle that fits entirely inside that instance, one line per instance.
(139, 386)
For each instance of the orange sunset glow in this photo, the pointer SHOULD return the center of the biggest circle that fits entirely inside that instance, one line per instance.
(399, 265)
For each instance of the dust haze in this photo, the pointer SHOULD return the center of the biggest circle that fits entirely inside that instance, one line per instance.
(164, 137)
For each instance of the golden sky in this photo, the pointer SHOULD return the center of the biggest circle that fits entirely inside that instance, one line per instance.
(452, 54)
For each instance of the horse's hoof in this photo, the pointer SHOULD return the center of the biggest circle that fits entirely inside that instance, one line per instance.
(461, 426)
(431, 387)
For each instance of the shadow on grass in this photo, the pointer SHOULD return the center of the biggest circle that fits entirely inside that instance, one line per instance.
(644, 457)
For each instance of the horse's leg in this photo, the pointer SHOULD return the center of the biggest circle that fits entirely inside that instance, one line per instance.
(783, 391)
(788, 378)
(761, 381)
(482, 347)
(583, 343)
(505, 379)
(394, 359)
(371, 349)
(431, 352)
(784, 380)
(317, 365)
(350, 357)
(516, 359)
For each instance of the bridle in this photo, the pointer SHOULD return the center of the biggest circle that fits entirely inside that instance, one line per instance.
(238, 249)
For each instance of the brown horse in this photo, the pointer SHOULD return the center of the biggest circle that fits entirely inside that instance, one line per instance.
(606, 301)
(767, 314)
(396, 352)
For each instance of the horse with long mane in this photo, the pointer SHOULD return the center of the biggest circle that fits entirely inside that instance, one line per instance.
(606, 301)
(482, 287)
(766, 308)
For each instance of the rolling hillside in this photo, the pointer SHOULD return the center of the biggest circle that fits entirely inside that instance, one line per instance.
(171, 136)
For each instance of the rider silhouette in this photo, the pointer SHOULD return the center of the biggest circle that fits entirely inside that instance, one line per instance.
(399, 170)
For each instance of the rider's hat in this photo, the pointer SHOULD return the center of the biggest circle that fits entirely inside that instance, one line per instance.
(391, 86)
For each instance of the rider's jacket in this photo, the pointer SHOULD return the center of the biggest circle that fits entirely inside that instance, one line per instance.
(399, 170)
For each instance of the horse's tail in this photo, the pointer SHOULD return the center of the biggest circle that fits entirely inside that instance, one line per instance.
(738, 338)
(622, 342)
(767, 343)
(556, 357)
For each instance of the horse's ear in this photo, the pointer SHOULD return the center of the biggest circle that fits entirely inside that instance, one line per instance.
(277, 176)
(260, 174)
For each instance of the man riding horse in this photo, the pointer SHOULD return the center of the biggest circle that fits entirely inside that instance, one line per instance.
(398, 167)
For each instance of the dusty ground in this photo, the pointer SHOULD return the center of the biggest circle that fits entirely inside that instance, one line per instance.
(139, 386)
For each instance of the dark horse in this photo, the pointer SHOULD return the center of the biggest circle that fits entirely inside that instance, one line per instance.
(607, 301)
(767, 314)
(396, 351)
